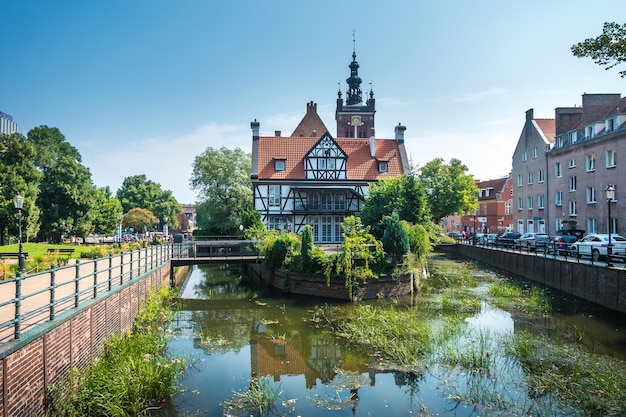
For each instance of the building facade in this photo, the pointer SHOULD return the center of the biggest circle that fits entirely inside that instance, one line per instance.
(494, 208)
(7, 125)
(529, 175)
(313, 178)
(579, 163)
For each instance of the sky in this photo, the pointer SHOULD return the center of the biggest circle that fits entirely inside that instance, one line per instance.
(144, 87)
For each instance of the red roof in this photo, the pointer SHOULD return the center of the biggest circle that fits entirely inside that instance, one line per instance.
(548, 127)
(361, 166)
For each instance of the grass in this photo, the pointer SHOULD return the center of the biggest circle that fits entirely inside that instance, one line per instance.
(261, 396)
(134, 374)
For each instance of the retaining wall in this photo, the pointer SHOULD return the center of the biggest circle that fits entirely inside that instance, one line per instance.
(45, 356)
(597, 284)
(316, 286)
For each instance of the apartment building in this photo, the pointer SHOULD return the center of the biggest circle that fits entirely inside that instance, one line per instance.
(562, 166)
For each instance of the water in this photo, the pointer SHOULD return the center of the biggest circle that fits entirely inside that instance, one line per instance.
(234, 333)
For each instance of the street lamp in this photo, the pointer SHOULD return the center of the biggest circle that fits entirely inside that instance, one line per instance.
(119, 230)
(610, 196)
(18, 201)
(165, 228)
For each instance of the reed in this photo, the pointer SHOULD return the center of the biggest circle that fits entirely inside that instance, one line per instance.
(261, 396)
(134, 374)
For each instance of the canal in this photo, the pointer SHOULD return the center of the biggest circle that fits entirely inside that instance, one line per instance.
(244, 343)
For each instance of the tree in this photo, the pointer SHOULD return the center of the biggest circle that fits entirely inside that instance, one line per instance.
(139, 219)
(449, 189)
(403, 194)
(66, 197)
(395, 239)
(106, 210)
(607, 49)
(139, 192)
(18, 175)
(222, 180)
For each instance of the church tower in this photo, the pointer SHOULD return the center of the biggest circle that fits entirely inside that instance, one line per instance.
(354, 118)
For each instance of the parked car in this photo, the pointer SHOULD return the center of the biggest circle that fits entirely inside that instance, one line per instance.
(455, 235)
(506, 239)
(561, 245)
(532, 241)
(488, 239)
(595, 245)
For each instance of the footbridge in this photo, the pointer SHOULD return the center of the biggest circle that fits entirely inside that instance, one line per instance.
(215, 251)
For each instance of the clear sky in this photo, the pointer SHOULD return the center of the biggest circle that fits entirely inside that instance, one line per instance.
(143, 87)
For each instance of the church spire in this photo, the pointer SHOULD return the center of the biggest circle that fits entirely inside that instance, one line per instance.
(353, 95)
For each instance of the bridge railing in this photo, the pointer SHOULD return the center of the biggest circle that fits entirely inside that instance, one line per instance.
(30, 300)
(217, 248)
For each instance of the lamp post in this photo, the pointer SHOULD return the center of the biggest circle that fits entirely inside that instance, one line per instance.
(610, 196)
(165, 228)
(119, 230)
(18, 202)
(241, 231)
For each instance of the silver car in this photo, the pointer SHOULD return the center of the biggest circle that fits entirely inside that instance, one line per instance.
(595, 245)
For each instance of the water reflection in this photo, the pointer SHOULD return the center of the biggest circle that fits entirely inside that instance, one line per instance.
(237, 333)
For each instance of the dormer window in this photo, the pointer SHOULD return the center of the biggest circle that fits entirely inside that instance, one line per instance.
(572, 137)
(610, 125)
(279, 165)
(383, 166)
(589, 132)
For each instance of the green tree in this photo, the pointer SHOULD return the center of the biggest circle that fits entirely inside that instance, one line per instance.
(607, 49)
(106, 210)
(18, 175)
(139, 219)
(307, 248)
(222, 180)
(449, 189)
(138, 191)
(395, 239)
(67, 194)
(403, 194)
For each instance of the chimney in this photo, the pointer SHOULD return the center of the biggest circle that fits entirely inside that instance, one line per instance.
(372, 143)
(314, 133)
(277, 133)
(255, 129)
(400, 133)
(311, 107)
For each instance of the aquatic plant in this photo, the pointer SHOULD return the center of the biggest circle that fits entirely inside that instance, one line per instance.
(261, 396)
(135, 372)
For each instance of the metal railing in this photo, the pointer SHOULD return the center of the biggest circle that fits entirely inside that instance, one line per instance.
(31, 300)
(551, 250)
(217, 249)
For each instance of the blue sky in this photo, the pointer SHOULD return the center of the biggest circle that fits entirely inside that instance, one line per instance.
(142, 87)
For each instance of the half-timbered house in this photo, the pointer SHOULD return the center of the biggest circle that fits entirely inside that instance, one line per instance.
(314, 178)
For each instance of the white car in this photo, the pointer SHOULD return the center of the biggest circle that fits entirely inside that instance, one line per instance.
(595, 245)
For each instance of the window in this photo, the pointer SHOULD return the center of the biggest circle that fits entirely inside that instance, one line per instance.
(610, 125)
(520, 181)
(529, 203)
(611, 158)
(507, 208)
(279, 165)
(534, 153)
(530, 178)
(557, 170)
(273, 195)
(559, 142)
(592, 226)
(531, 226)
(572, 183)
(571, 163)
(591, 195)
(572, 137)
(520, 226)
(558, 198)
(572, 208)
(589, 132)
(540, 201)
(382, 166)
(591, 163)
(524, 157)
(540, 176)
(520, 203)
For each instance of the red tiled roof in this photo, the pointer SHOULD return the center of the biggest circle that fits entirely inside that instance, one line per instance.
(361, 166)
(548, 127)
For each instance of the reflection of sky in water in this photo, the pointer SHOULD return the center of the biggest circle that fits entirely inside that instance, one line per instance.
(491, 319)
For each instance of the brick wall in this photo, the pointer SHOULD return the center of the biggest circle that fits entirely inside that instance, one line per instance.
(594, 283)
(31, 365)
